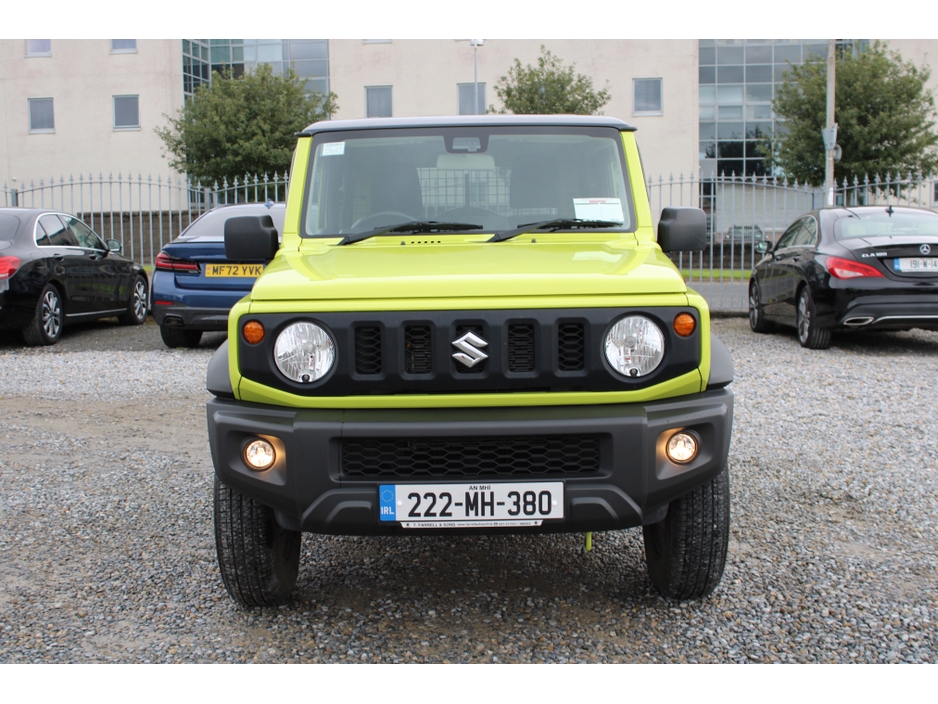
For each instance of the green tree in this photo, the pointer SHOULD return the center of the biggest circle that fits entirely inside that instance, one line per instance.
(884, 115)
(550, 88)
(245, 125)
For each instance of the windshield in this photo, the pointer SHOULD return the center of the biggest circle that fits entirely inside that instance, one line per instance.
(495, 178)
(885, 224)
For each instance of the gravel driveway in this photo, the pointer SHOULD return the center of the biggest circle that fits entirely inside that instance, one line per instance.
(107, 550)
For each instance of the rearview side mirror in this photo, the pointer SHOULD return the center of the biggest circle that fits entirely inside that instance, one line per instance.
(762, 247)
(113, 245)
(251, 239)
(682, 230)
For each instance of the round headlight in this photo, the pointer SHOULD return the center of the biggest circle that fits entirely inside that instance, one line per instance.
(304, 352)
(635, 346)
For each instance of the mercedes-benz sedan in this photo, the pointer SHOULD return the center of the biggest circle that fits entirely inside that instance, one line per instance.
(860, 268)
(56, 270)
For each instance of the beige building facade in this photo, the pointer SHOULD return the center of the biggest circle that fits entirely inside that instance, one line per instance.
(71, 108)
(85, 106)
(424, 76)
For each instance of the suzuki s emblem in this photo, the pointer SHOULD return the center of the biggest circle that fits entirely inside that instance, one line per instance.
(470, 354)
(925, 249)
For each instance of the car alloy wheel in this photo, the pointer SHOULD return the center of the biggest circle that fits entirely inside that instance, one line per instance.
(757, 321)
(51, 315)
(46, 326)
(810, 334)
(140, 299)
(136, 312)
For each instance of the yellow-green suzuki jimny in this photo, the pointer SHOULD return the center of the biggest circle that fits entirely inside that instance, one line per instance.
(470, 326)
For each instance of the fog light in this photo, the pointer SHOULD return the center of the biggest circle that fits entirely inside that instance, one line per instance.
(259, 455)
(681, 448)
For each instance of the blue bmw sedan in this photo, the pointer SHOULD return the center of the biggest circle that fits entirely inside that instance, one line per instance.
(194, 284)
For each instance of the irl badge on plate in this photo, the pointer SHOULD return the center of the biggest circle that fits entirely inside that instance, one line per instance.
(387, 496)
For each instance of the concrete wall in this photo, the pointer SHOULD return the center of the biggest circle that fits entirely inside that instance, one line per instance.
(424, 74)
(82, 76)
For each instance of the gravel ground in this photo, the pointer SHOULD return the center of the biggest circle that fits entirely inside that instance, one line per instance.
(107, 551)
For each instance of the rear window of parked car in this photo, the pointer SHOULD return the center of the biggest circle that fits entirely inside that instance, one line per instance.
(210, 227)
(885, 224)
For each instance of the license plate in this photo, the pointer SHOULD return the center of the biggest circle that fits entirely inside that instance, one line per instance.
(242, 270)
(915, 264)
(471, 505)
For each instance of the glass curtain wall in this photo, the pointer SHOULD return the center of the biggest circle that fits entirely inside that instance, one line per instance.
(308, 57)
(737, 84)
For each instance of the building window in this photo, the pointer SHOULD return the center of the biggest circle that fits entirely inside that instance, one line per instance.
(467, 97)
(41, 115)
(123, 46)
(38, 47)
(647, 96)
(126, 111)
(378, 101)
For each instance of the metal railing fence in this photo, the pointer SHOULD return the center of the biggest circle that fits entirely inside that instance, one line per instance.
(141, 213)
(745, 210)
(146, 213)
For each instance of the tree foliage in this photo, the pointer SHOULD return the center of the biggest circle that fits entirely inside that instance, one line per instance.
(884, 115)
(549, 88)
(245, 125)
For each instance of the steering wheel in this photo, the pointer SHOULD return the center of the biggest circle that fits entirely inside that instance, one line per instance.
(382, 217)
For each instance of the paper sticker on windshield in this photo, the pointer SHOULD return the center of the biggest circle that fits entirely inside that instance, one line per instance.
(333, 148)
(598, 209)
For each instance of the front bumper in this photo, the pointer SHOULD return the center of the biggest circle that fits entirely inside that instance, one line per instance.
(631, 486)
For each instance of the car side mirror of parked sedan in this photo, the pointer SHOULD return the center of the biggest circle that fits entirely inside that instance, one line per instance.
(113, 246)
(762, 247)
(682, 230)
(251, 238)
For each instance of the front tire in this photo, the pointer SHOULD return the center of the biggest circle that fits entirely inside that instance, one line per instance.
(258, 559)
(136, 313)
(686, 552)
(46, 326)
(180, 337)
(810, 334)
(757, 320)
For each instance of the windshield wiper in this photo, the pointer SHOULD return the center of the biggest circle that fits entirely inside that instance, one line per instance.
(410, 227)
(553, 225)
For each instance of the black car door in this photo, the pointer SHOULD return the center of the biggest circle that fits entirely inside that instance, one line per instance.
(101, 275)
(65, 261)
(790, 264)
(771, 276)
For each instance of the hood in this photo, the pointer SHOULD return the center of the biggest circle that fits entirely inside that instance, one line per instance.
(407, 266)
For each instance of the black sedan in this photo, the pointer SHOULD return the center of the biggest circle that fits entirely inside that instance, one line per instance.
(861, 268)
(55, 270)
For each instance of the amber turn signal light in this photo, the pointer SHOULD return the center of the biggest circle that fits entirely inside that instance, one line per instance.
(684, 324)
(253, 332)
